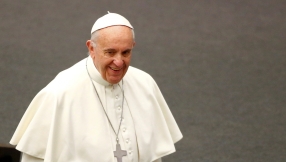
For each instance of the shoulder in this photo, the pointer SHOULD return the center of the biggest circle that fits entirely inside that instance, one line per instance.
(70, 78)
(139, 77)
(74, 71)
(135, 73)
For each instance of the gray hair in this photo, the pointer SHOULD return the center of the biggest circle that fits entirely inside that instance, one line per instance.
(94, 36)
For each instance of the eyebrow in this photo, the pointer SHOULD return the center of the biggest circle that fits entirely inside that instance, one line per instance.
(128, 50)
(109, 50)
(114, 50)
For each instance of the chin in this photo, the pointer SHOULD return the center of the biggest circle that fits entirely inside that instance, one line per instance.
(114, 81)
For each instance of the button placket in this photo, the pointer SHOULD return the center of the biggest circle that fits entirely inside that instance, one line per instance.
(127, 141)
(125, 134)
(118, 100)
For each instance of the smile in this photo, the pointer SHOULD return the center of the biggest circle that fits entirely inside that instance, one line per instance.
(115, 69)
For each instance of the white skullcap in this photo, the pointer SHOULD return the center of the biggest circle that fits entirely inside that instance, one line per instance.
(110, 19)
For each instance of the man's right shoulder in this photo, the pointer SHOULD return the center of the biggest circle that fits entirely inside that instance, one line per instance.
(71, 77)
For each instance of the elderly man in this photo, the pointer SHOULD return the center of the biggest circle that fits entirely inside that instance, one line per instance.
(101, 109)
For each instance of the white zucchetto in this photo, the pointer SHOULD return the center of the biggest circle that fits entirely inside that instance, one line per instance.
(110, 19)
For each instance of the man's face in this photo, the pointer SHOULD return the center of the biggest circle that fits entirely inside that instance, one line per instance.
(112, 52)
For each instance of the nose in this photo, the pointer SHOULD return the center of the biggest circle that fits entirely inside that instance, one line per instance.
(118, 61)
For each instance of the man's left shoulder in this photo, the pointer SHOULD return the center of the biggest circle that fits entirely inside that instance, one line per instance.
(139, 77)
(137, 73)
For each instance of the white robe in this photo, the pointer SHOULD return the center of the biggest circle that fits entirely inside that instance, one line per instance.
(66, 122)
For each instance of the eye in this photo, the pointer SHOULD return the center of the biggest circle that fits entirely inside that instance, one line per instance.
(126, 53)
(109, 53)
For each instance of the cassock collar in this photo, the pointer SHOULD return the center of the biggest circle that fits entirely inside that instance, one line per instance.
(94, 74)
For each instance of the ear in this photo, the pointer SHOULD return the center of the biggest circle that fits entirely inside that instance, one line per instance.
(90, 48)
(134, 44)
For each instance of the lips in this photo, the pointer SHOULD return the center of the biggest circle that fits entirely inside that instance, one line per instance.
(115, 69)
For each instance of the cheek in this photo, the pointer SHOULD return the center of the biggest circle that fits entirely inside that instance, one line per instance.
(106, 63)
(127, 61)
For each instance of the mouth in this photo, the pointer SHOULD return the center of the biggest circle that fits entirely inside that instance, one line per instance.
(115, 69)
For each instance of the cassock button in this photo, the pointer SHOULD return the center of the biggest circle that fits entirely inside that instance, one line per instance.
(124, 129)
(127, 141)
(119, 108)
(116, 96)
(130, 151)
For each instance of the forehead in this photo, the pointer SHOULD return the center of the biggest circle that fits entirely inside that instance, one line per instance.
(115, 35)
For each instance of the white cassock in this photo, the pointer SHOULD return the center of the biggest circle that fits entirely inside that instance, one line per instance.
(66, 122)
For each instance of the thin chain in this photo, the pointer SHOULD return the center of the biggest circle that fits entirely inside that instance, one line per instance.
(117, 140)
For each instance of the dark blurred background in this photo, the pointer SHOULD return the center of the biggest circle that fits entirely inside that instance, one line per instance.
(220, 65)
